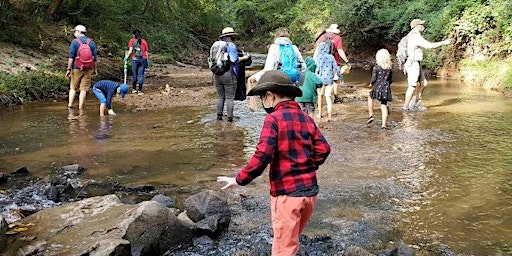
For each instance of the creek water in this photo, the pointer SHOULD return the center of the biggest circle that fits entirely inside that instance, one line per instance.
(440, 176)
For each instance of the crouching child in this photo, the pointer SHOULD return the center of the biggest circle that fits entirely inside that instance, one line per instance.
(104, 90)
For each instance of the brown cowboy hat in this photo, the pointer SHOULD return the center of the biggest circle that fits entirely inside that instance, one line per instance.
(277, 82)
(228, 31)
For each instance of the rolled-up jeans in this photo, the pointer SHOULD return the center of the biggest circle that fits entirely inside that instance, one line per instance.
(226, 87)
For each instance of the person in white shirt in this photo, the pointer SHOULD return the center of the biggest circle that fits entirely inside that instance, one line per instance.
(415, 45)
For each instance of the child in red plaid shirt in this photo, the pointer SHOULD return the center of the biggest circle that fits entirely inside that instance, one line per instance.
(293, 145)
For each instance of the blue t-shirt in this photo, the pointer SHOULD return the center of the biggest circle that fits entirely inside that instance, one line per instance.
(233, 56)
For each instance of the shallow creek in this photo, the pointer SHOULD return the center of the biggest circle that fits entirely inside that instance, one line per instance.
(439, 176)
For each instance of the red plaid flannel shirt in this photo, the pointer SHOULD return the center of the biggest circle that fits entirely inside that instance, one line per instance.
(293, 145)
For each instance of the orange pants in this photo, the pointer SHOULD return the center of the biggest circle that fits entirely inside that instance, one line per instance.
(289, 218)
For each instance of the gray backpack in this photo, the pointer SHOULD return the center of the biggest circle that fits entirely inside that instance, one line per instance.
(401, 52)
(218, 61)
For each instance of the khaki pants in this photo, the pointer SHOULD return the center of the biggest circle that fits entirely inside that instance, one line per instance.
(81, 79)
(415, 74)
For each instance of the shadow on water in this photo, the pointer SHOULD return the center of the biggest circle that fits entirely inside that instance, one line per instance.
(439, 177)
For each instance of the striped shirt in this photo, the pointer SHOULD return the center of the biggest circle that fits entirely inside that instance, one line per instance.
(293, 145)
(108, 88)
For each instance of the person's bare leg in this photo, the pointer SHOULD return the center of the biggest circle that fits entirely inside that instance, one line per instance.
(72, 95)
(335, 88)
(102, 109)
(370, 106)
(81, 99)
(384, 109)
(408, 97)
(335, 85)
(319, 105)
(328, 102)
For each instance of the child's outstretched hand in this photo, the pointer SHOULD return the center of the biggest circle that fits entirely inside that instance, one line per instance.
(230, 182)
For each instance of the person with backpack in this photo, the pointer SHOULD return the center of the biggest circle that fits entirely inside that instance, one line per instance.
(334, 42)
(415, 45)
(311, 82)
(282, 36)
(224, 64)
(293, 146)
(326, 69)
(284, 56)
(138, 50)
(81, 65)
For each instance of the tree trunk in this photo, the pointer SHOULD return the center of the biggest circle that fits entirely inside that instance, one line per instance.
(146, 7)
(53, 8)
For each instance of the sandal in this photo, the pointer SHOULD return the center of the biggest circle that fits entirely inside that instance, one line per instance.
(370, 119)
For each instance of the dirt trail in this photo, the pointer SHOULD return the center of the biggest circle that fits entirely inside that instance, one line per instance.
(170, 86)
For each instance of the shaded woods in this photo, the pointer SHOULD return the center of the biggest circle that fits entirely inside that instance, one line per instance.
(183, 30)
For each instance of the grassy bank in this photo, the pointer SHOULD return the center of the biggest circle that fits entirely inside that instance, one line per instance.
(491, 74)
(31, 85)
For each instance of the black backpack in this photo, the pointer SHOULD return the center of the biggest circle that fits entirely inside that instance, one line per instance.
(137, 51)
(218, 61)
(330, 43)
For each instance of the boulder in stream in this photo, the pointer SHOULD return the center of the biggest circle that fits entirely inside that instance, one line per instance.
(102, 226)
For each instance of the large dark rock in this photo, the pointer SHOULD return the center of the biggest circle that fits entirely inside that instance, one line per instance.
(210, 212)
(164, 200)
(22, 171)
(72, 170)
(206, 204)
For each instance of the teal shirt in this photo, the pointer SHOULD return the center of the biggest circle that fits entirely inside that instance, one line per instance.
(311, 80)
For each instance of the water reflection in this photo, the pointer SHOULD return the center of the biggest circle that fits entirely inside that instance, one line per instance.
(104, 128)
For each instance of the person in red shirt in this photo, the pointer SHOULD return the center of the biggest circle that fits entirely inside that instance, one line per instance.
(333, 33)
(138, 49)
(291, 142)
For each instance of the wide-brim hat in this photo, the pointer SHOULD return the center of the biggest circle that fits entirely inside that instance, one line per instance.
(277, 82)
(333, 28)
(228, 31)
(417, 22)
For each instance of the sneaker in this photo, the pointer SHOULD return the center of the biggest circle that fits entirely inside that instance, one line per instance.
(230, 119)
(370, 119)
(420, 107)
(134, 91)
(219, 117)
(70, 107)
(337, 99)
(412, 103)
(140, 93)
